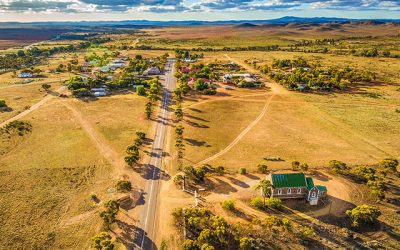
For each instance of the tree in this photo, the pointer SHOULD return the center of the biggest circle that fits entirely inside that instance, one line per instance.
(389, 164)
(140, 90)
(190, 245)
(242, 171)
(338, 167)
(295, 165)
(132, 159)
(110, 213)
(46, 86)
(245, 243)
(124, 185)
(179, 112)
(148, 109)
(229, 205)
(257, 203)
(3, 104)
(363, 213)
(304, 166)
(273, 203)
(265, 188)
(262, 168)
(200, 85)
(103, 240)
(141, 135)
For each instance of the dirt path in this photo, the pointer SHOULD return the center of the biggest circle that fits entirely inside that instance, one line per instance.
(37, 105)
(277, 89)
(241, 135)
(107, 152)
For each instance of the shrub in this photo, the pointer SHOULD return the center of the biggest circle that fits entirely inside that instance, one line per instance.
(364, 172)
(245, 243)
(140, 90)
(295, 165)
(304, 166)
(307, 233)
(389, 164)
(3, 104)
(209, 92)
(103, 240)
(274, 203)
(178, 179)
(257, 203)
(363, 213)
(19, 127)
(262, 168)
(93, 197)
(124, 185)
(229, 205)
(242, 171)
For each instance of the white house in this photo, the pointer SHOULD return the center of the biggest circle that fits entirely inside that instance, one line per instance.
(99, 91)
(152, 71)
(25, 75)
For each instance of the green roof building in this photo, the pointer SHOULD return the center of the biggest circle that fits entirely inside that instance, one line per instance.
(296, 185)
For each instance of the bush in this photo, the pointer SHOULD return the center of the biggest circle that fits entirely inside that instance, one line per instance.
(229, 205)
(178, 180)
(93, 197)
(338, 167)
(363, 213)
(262, 168)
(124, 186)
(295, 165)
(389, 164)
(209, 92)
(245, 243)
(257, 203)
(274, 203)
(304, 166)
(3, 104)
(103, 240)
(19, 127)
(140, 90)
(242, 171)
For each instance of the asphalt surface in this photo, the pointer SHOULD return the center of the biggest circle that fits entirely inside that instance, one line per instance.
(147, 223)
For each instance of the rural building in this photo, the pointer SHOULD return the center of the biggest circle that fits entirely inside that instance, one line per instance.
(25, 75)
(228, 78)
(296, 185)
(99, 91)
(152, 71)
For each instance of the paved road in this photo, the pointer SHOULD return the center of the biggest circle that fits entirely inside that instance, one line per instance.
(148, 217)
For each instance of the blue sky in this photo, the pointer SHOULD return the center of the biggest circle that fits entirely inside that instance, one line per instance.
(74, 10)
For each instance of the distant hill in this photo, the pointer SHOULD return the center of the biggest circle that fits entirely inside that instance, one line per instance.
(240, 23)
(246, 25)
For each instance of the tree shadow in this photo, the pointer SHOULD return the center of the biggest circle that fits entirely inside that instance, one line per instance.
(238, 182)
(133, 237)
(196, 110)
(251, 176)
(320, 176)
(197, 125)
(194, 142)
(221, 187)
(196, 118)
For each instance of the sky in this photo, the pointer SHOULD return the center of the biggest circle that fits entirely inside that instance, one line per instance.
(90, 10)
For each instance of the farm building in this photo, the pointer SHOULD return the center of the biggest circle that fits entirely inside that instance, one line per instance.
(25, 75)
(296, 185)
(99, 91)
(152, 71)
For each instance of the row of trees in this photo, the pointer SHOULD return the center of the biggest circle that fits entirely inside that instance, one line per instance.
(132, 151)
(153, 94)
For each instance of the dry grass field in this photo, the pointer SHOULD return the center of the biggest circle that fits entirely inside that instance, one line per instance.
(59, 165)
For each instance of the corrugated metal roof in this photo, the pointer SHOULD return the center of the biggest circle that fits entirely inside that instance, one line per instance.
(310, 183)
(288, 180)
(322, 188)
